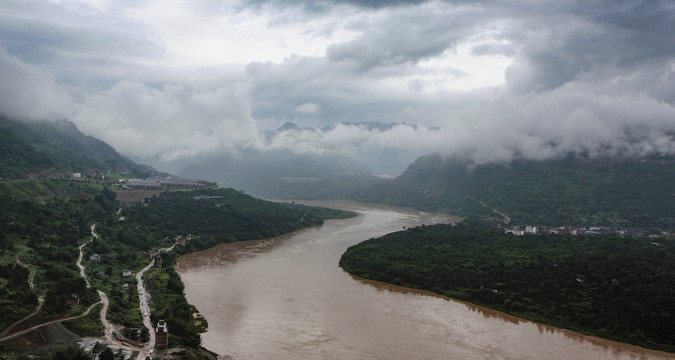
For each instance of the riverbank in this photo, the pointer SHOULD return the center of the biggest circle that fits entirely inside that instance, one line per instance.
(597, 286)
(129, 241)
(291, 300)
(227, 254)
(617, 346)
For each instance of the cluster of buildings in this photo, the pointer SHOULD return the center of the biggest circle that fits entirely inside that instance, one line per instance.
(182, 239)
(99, 258)
(158, 182)
(203, 197)
(155, 255)
(591, 230)
(161, 335)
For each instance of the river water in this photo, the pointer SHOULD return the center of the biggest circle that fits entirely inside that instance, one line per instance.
(286, 298)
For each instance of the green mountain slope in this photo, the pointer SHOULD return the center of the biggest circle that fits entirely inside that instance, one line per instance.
(570, 191)
(49, 149)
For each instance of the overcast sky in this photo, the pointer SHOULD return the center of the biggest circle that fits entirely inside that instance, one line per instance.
(172, 80)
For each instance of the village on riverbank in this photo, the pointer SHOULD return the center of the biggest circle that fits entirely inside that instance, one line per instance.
(117, 292)
(109, 273)
(587, 231)
(126, 343)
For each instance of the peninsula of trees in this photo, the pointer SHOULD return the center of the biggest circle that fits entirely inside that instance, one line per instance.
(605, 285)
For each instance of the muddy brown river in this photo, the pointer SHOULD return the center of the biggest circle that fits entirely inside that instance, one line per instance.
(286, 298)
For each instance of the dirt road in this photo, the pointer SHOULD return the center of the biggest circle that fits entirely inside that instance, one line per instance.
(25, 331)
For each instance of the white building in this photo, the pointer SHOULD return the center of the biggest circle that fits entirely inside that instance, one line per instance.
(531, 229)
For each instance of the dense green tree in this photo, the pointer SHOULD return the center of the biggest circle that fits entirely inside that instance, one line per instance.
(106, 354)
(575, 190)
(70, 352)
(222, 215)
(616, 287)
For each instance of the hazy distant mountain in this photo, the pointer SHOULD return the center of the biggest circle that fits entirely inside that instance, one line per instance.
(570, 191)
(44, 149)
(382, 160)
(270, 173)
(289, 126)
(368, 125)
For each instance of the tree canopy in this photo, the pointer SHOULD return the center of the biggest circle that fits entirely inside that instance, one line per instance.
(620, 288)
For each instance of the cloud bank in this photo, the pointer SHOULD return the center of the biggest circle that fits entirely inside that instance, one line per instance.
(29, 93)
(169, 83)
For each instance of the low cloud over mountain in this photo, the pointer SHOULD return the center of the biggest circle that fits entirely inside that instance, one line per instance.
(172, 83)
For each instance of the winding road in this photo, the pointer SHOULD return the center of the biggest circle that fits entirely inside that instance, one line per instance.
(108, 330)
(41, 299)
(143, 296)
(506, 218)
(79, 258)
(145, 307)
(25, 331)
(142, 352)
(31, 285)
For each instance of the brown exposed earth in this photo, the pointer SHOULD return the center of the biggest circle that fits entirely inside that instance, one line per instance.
(130, 197)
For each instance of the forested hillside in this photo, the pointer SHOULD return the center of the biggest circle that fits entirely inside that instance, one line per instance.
(620, 288)
(42, 223)
(623, 192)
(49, 149)
(44, 219)
(222, 215)
(41, 235)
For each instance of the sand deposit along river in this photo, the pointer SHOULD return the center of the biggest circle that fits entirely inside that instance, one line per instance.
(286, 298)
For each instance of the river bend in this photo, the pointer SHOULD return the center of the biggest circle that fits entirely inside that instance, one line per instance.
(286, 298)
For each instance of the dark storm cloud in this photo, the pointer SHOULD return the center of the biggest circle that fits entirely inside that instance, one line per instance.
(322, 5)
(551, 43)
(76, 44)
(406, 37)
(594, 77)
(642, 29)
(39, 42)
(343, 92)
(571, 76)
(382, 3)
(564, 41)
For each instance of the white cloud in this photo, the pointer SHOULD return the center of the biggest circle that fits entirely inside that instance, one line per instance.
(28, 92)
(171, 123)
(308, 108)
(164, 81)
(212, 34)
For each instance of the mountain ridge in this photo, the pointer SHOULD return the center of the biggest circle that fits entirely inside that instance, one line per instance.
(42, 149)
(574, 190)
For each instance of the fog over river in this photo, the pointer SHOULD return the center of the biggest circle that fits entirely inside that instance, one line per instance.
(286, 298)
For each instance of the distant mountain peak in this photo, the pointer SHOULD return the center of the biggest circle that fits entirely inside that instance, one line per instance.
(288, 126)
